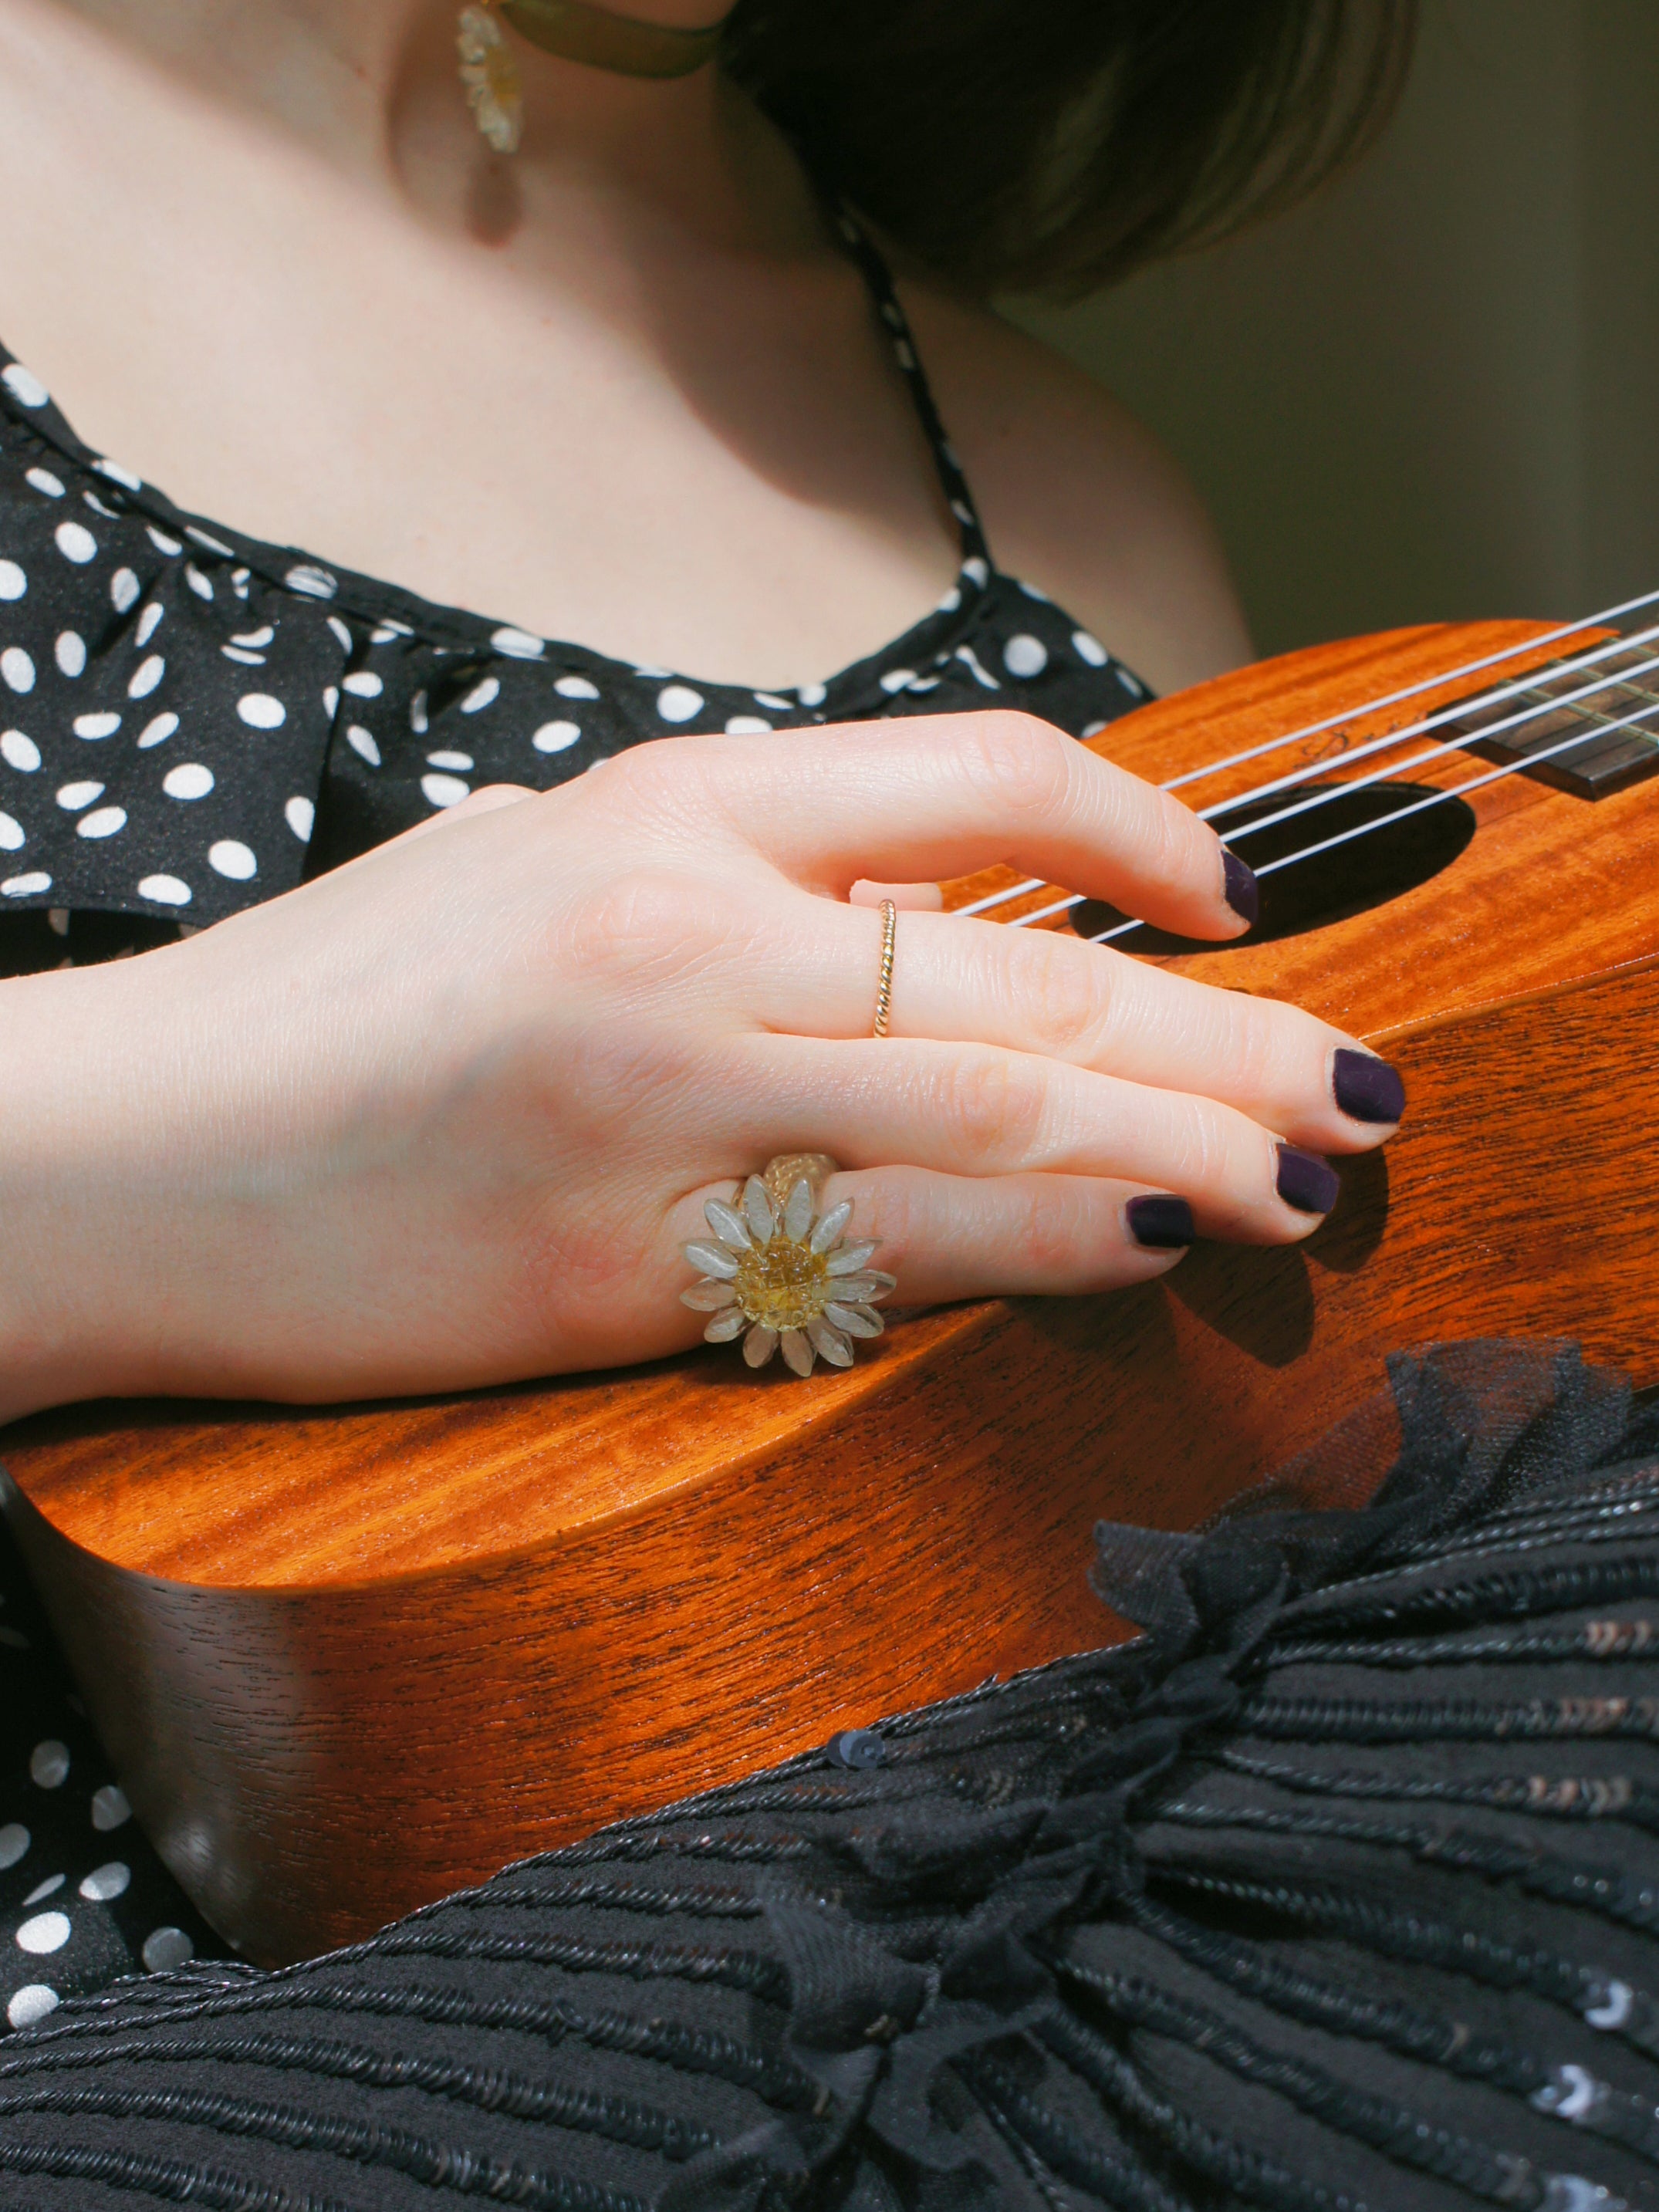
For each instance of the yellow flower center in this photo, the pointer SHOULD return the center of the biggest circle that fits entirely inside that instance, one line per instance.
(502, 74)
(783, 1286)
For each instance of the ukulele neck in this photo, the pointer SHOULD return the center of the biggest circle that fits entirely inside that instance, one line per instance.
(1619, 719)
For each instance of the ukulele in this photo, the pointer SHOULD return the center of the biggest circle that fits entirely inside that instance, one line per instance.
(348, 1659)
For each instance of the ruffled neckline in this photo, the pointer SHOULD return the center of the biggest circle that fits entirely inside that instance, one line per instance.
(306, 576)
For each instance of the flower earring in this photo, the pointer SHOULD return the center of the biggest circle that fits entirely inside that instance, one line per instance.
(575, 31)
(490, 76)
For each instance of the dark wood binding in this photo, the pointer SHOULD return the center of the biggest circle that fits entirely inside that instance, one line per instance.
(346, 1660)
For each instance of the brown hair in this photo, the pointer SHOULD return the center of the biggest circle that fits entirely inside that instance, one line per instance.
(1055, 145)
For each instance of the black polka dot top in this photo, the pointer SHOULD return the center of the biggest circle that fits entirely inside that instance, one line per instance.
(194, 721)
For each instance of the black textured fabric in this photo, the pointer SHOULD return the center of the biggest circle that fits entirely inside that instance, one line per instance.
(1337, 1891)
(197, 721)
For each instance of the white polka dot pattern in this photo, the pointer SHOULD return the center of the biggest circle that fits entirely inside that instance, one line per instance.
(167, 1948)
(107, 1882)
(43, 1932)
(48, 1764)
(77, 1906)
(679, 703)
(110, 1809)
(30, 2004)
(233, 859)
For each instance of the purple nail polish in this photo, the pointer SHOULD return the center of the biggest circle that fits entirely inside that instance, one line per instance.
(1160, 1221)
(1366, 1088)
(1306, 1182)
(1243, 893)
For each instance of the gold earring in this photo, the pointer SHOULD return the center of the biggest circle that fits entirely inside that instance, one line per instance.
(490, 76)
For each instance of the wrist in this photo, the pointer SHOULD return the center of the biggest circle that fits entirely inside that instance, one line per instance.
(70, 1113)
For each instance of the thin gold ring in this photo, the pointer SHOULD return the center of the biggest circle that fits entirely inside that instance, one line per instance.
(884, 986)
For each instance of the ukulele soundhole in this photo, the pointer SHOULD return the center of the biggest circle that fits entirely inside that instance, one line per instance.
(1386, 859)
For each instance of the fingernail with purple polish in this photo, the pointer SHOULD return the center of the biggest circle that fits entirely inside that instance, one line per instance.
(1160, 1221)
(1243, 892)
(1366, 1088)
(1306, 1182)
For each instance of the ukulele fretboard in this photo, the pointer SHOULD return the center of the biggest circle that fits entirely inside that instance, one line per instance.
(1620, 721)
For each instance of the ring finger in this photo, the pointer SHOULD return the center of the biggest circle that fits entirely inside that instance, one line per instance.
(955, 1236)
(973, 1110)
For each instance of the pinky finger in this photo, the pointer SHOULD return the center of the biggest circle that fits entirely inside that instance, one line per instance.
(962, 1237)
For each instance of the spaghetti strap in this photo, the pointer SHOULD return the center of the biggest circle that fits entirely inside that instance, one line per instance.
(879, 277)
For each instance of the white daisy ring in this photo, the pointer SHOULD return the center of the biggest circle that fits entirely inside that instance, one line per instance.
(783, 1275)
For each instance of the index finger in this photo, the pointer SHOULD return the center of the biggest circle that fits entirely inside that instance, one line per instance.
(943, 795)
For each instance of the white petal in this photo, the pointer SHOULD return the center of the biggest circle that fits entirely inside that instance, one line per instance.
(855, 1321)
(725, 1325)
(708, 1297)
(728, 1224)
(759, 1345)
(850, 1259)
(828, 1343)
(757, 1208)
(711, 1259)
(796, 1352)
(863, 1290)
(831, 1225)
(797, 1213)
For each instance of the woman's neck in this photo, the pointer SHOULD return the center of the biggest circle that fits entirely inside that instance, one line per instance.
(371, 86)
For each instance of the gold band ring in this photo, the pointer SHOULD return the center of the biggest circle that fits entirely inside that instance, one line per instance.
(884, 986)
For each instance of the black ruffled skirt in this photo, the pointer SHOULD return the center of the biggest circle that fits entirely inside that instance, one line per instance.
(1338, 1889)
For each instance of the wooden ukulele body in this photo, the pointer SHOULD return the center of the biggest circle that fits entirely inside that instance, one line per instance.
(348, 1659)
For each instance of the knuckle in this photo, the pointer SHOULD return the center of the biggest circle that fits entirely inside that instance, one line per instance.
(1162, 840)
(636, 775)
(1068, 1004)
(1255, 1049)
(1176, 847)
(1230, 1162)
(1023, 765)
(586, 1259)
(1209, 1157)
(1275, 1048)
(643, 923)
(662, 786)
(989, 1107)
(1044, 1234)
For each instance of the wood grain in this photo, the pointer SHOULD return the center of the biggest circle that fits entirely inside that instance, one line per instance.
(346, 1660)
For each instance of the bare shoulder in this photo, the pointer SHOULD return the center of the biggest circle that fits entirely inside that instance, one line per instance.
(1079, 497)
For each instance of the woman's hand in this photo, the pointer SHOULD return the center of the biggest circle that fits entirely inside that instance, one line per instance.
(445, 1116)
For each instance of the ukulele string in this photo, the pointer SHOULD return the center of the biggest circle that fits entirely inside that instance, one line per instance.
(1413, 690)
(1385, 821)
(1393, 738)
(1327, 793)
(1522, 688)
